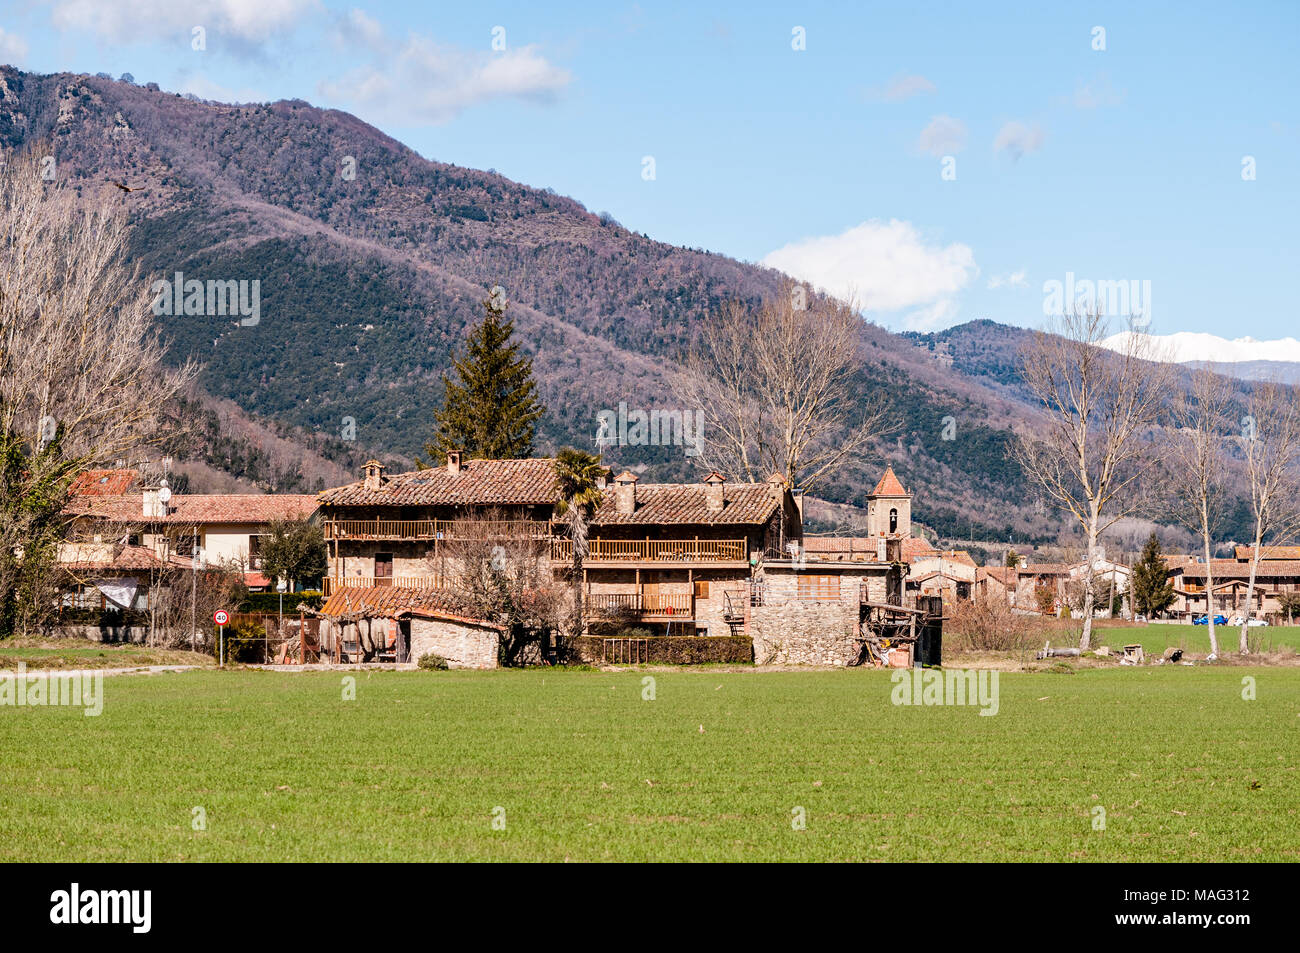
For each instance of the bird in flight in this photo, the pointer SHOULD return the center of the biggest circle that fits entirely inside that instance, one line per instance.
(126, 188)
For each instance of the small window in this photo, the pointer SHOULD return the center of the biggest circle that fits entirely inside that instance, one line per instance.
(702, 589)
(819, 588)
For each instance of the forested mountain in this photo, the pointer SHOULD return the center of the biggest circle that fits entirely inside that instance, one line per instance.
(372, 261)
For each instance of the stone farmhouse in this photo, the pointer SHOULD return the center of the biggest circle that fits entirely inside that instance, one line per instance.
(708, 559)
(1278, 573)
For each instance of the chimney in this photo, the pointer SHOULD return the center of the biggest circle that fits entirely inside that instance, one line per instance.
(374, 474)
(714, 483)
(453, 462)
(776, 483)
(602, 479)
(625, 492)
(151, 505)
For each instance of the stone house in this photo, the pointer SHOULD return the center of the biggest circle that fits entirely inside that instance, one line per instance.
(1278, 573)
(712, 558)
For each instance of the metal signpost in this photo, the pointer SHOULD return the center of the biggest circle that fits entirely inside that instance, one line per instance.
(221, 617)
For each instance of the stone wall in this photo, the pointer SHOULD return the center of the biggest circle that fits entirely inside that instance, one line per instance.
(462, 644)
(804, 633)
(787, 630)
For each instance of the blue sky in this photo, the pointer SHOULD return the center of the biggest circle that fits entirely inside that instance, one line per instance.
(1118, 164)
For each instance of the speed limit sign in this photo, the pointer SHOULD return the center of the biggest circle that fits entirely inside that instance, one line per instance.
(221, 617)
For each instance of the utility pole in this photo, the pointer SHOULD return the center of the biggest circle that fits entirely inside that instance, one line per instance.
(194, 589)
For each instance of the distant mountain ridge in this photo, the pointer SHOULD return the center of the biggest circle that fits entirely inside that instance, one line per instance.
(1243, 357)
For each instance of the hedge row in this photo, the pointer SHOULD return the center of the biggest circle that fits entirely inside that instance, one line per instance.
(677, 649)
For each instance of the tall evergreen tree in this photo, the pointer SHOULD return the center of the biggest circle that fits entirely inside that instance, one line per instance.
(491, 409)
(1151, 590)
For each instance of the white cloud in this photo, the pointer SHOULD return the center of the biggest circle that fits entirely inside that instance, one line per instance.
(13, 49)
(944, 136)
(1016, 279)
(1017, 139)
(883, 266)
(424, 81)
(1097, 93)
(249, 23)
(361, 26)
(903, 87)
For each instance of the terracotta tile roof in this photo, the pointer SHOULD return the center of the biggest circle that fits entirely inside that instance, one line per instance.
(482, 482)
(1231, 569)
(1046, 569)
(889, 485)
(959, 556)
(1007, 575)
(930, 575)
(108, 557)
(394, 601)
(665, 503)
(104, 482)
(198, 508)
(1247, 553)
(914, 546)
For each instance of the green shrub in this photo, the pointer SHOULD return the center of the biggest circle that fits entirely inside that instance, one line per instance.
(245, 641)
(433, 663)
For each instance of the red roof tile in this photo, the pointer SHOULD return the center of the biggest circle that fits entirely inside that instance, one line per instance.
(687, 503)
(479, 482)
(1006, 575)
(1231, 569)
(108, 557)
(104, 482)
(889, 485)
(394, 601)
(198, 508)
(1247, 553)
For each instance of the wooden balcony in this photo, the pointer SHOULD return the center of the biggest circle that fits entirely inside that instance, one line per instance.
(430, 581)
(377, 529)
(643, 604)
(683, 552)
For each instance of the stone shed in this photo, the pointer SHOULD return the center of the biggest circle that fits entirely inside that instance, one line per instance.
(464, 643)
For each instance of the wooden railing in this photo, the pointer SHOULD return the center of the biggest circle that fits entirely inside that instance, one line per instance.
(654, 550)
(430, 581)
(641, 603)
(436, 529)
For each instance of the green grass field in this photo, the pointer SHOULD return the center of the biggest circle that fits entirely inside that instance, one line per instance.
(585, 769)
(1195, 638)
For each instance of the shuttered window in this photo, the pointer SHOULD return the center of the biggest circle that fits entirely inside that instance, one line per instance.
(819, 588)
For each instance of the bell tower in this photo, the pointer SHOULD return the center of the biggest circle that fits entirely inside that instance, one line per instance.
(889, 507)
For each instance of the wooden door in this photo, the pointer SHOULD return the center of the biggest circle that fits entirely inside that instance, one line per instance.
(383, 569)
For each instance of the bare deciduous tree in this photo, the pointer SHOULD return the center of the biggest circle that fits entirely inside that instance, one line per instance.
(491, 572)
(774, 386)
(1196, 467)
(1090, 455)
(1270, 438)
(82, 374)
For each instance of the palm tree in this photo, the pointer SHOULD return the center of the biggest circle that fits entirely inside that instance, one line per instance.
(577, 481)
